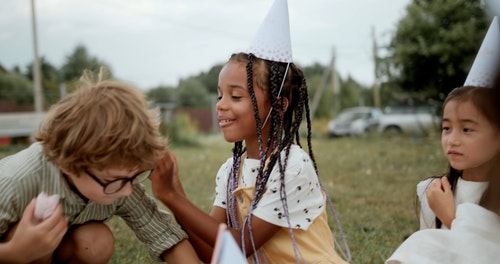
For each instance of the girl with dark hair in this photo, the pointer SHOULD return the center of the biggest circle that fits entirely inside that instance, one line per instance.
(268, 193)
(470, 138)
(471, 143)
(471, 124)
(474, 236)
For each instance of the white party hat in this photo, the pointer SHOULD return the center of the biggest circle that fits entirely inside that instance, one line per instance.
(272, 41)
(485, 66)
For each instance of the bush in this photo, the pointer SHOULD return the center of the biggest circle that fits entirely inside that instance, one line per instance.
(181, 131)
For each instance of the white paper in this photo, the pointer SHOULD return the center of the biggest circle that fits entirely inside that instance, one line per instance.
(45, 205)
(226, 250)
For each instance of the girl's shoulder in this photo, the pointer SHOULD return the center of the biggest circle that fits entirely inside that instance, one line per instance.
(430, 179)
(423, 184)
(226, 165)
(298, 162)
(296, 154)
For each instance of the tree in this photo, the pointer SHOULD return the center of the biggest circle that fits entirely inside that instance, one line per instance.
(316, 69)
(79, 61)
(435, 45)
(351, 92)
(17, 88)
(192, 93)
(354, 94)
(211, 79)
(315, 82)
(162, 94)
(50, 80)
(326, 101)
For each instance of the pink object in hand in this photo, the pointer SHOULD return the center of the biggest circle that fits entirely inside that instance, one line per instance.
(45, 205)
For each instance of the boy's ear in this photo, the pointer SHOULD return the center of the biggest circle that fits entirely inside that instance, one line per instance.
(69, 173)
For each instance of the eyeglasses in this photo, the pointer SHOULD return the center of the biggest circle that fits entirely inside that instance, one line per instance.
(115, 186)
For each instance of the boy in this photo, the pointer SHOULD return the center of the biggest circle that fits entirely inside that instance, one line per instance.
(94, 148)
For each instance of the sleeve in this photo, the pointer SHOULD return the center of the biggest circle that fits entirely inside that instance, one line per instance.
(221, 184)
(427, 218)
(153, 226)
(15, 195)
(20, 181)
(425, 246)
(9, 206)
(304, 197)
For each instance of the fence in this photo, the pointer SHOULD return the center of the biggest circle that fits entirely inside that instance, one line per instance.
(20, 124)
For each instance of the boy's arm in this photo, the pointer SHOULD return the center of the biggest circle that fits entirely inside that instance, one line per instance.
(183, 252)
(33, 239)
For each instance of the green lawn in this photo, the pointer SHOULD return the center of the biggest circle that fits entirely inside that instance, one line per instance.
(371, 181)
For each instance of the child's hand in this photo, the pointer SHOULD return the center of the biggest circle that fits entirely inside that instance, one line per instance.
(33, 239)
(441, 200)
(165, 177)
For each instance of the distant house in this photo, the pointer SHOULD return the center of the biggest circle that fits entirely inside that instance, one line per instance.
(21, 123)
(19, 126)
(8, 106)
(17, 122)
(203, 118)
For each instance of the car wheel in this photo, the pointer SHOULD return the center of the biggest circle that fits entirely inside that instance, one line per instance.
(393, 130)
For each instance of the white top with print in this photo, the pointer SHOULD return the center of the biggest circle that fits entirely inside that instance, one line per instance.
(304, 195)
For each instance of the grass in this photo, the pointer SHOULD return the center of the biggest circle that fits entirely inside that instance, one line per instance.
(371, 181)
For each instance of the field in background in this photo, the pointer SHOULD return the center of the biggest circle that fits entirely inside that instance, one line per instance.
(371, 181)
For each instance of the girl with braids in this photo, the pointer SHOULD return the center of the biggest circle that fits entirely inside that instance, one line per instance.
(268, 193)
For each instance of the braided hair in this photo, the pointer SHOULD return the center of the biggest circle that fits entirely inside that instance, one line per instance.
(281, 81)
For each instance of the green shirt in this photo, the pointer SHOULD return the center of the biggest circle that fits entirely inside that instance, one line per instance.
(27, 173)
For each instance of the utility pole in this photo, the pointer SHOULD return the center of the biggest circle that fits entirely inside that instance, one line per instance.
(324, 79)
(376, 85)
(335, 85)
(62, 85)
(36, 66)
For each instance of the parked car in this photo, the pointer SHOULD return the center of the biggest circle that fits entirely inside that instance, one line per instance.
(354, 122)
(403, 119)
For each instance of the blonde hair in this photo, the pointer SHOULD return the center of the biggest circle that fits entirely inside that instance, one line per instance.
(103, 124)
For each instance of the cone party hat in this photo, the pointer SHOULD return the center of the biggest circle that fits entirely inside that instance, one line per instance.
(487, 61)
(272, 41)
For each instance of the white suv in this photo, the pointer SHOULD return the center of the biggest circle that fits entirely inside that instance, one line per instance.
(354, 121)
(399, 119)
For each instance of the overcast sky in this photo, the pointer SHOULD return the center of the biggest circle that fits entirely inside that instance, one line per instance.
(157, 42)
